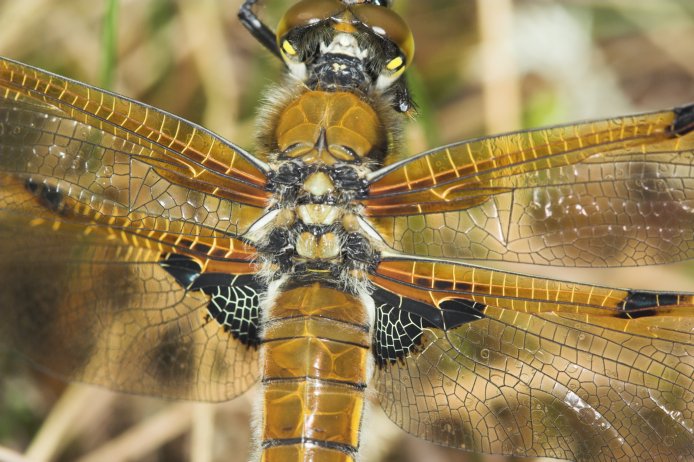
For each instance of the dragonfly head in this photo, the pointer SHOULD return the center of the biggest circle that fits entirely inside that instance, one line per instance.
(348, 44)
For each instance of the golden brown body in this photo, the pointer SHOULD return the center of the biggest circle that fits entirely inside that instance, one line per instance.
(315, 353)
(317, 126)
(316, 338)
(132, 239)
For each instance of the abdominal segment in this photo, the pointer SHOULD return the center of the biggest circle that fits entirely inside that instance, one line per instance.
(315, 351)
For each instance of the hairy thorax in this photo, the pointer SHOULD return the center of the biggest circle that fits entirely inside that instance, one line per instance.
(321, 144)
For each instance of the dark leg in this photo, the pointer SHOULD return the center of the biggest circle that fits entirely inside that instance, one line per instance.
(257, 28)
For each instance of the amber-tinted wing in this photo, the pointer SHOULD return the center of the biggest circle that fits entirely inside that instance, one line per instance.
(65, 129)
(94, 304)
(552, 369)
(616, 192)
(109, 212)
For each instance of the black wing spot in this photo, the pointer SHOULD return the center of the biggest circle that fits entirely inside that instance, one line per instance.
(48, 196)
(171, 361)
(459, 311)
(35, 315)
(642, 304)
(236, 307)
(684, 120)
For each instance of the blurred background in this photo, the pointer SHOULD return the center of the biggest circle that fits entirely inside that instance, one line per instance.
(481, 67)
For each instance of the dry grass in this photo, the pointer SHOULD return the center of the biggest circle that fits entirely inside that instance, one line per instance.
(504, 66)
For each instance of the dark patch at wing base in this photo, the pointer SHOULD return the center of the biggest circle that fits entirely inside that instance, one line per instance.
(450, 314)
(643, 304)
(184, 269)
(400, 322)
(236, 307)
(458, 311)
(397, 333)
(234, 299)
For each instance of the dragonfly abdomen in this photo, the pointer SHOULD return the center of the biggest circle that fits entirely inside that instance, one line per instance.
(315, 362)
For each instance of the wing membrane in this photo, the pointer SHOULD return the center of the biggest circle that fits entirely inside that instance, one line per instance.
(616, 192)
(555, 369)
(78, 127)
(92, 308)
(544, 386)
(101, 178)
(108, 210)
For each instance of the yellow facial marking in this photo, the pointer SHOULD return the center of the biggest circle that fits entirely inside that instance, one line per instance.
(394, 63)
(288, 48)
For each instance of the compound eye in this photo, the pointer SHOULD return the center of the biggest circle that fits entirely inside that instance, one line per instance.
(389, 25)
(306, 13)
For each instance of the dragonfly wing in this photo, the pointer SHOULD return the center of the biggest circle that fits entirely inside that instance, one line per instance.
(117, 242)
(616, 192)
(503, 363)
(58, 128)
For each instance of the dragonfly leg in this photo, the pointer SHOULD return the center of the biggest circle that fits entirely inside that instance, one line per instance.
(257, 28)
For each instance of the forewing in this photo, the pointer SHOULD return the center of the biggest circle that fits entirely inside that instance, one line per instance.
(61, 129)
(616, 192)
(553, 369)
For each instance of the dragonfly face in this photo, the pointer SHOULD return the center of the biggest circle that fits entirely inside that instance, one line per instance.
(328, 269)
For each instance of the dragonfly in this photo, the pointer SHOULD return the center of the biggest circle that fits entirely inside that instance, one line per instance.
(151, 256)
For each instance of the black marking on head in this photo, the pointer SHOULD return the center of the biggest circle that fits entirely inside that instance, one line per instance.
(48, 196)
(684, 120)
(336, 71)
(642, 304)
(171, 361)
(183, 268)
(235, 305)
